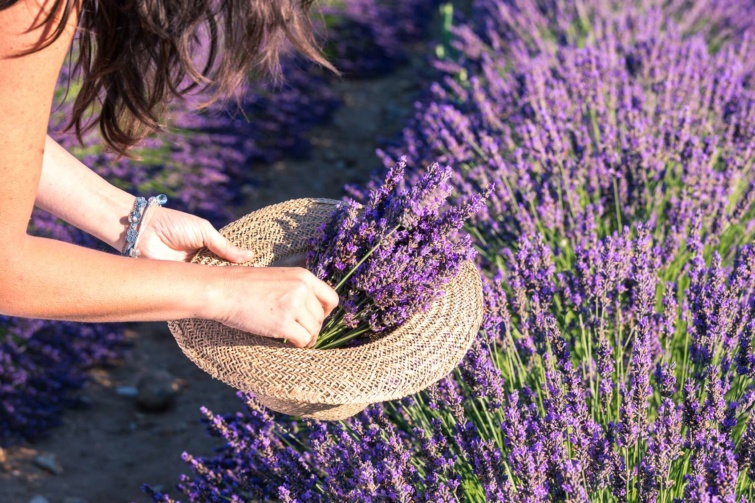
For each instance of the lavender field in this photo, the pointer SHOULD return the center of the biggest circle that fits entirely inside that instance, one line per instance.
(616, 358)
(616, 144)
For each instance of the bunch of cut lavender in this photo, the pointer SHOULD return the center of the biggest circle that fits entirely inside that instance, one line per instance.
(392, 257)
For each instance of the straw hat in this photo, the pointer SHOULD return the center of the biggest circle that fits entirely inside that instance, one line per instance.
(328, 384)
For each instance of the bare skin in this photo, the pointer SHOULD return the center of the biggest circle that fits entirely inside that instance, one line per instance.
(44, 278)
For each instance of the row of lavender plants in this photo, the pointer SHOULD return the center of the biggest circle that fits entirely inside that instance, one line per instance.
(201, 164)
(616, 361)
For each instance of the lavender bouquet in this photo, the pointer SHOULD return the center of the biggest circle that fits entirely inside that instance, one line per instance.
(392, 257)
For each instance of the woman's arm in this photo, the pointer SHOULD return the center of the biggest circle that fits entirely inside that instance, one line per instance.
(44, 278)
(71, 191)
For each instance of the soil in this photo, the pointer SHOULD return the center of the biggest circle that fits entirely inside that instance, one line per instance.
(108, 451)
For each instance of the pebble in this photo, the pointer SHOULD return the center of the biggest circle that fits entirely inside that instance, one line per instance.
(39, 499)
(4, 465)
(48, 462)
(129, 391)
(157, 390)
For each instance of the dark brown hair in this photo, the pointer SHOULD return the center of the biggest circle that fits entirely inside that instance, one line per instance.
(134, 56)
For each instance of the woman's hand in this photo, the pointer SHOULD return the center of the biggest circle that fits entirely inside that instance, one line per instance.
(174, 235)
(282, 302)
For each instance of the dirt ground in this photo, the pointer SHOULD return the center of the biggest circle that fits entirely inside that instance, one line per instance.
(109, 450)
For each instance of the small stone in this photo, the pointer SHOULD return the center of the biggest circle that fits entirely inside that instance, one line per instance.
(39, 499)
(48, 462)
(70, 499)
(4, 466)
(157, 390)
(130, 334)
(128, 391)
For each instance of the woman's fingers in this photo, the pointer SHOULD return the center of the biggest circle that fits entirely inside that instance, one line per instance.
(298, 335)
(319, 299)
(327, 297)
(318, 314)
(311, 325)
(315, 309)
(223, 248)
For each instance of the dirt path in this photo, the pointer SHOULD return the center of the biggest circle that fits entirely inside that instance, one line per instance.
(108, 451)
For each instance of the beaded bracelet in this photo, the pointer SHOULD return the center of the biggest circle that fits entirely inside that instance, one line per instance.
(136, 220)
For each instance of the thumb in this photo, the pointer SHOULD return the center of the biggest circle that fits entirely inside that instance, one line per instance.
(223, 248)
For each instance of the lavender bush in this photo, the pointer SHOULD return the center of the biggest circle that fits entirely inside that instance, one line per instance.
(616, 357)
(40, 364)
(391, 258)
(369, 37)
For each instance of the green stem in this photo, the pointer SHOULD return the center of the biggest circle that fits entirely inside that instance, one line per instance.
(342, 340)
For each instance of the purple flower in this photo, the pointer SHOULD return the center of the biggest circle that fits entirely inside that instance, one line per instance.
(391, 258)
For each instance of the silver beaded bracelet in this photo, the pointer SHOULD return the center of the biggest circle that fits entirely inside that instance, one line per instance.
(135, 221)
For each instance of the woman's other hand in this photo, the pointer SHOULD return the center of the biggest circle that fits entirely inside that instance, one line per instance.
(283, 302)
(174, 235)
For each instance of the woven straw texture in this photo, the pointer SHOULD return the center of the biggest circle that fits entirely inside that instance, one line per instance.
(335, 383)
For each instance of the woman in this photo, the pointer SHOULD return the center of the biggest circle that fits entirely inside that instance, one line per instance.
(134, 56)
